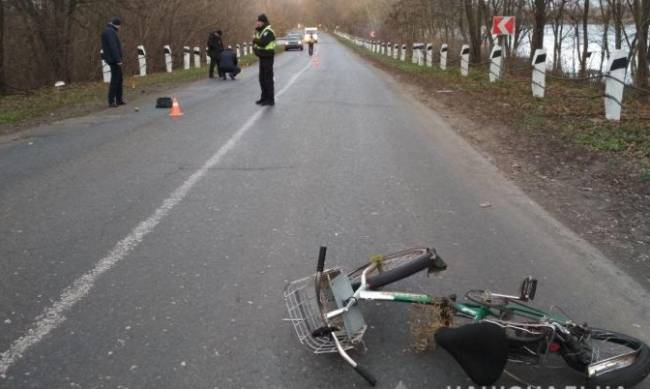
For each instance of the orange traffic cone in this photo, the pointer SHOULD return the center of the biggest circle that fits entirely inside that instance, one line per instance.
(176, 110)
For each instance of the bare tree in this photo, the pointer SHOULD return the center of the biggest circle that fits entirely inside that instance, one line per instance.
(474, 11)
(641, 13)
(539, 12)
(3, 87)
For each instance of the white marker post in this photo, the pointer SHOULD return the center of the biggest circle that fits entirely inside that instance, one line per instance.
(615, 85)
(403, 53)
(395, 51)
(414, 51)
(238, 51)
(142, 60)
(389, 50)
(421, 54)
(418, 54)
(197, 57)
(464, 61)
(443, 56)
(169, 63)
(538, 83)
(186, 57)
(496, 62)
(245, 50)
(429, 55)
(106, 70)
(207, 57)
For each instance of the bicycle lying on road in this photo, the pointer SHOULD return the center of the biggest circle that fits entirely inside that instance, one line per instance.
(324, 311)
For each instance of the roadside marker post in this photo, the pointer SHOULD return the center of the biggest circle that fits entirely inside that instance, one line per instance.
(615, 85)
(464, 61)
(142, 60)
(197, 57)
(538, 82)
(430, 55)
(186, 57)
(403, 54)
(395, 51)
(443, 56)
(106, 70)
(496, 63)
(169, 63)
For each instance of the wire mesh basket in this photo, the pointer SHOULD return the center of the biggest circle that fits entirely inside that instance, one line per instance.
(305, 315)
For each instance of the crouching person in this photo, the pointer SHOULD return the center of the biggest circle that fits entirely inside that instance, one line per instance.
(228, 63)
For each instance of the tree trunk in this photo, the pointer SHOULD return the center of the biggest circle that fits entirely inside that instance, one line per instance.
(473, 13)
(585, 37)
(537, 41)
(606, 14)
(616, 10)
(3, 87)
(641, 13)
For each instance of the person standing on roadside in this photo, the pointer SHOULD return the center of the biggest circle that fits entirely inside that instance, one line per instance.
(264, 48)
(215, 48)
(112, 55)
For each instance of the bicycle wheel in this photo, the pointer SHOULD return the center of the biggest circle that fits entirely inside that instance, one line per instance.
(605, 344)
(397, 266)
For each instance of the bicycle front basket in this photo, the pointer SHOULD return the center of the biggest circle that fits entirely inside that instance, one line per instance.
(304, 313)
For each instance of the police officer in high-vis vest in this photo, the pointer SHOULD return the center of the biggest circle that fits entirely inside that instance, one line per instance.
(264, 47)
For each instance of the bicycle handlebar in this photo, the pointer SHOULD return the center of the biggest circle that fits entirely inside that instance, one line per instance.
(321, 259)
(366, 375)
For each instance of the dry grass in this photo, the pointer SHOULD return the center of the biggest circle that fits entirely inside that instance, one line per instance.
(426, 320)
(20, 110)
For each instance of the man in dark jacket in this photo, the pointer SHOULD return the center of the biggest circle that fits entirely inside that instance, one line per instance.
(215, 48)
(264, 48)
(112, 54)
(228, 63)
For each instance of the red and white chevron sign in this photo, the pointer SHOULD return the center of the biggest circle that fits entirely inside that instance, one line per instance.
(503, 25)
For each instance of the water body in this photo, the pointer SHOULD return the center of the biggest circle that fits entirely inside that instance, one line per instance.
(572, 50)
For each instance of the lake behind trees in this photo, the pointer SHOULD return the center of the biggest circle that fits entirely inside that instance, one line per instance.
(571, 50)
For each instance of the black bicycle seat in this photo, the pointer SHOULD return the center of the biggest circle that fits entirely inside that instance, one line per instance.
(481, 349)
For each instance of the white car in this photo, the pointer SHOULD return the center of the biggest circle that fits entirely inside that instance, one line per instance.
(311, 31)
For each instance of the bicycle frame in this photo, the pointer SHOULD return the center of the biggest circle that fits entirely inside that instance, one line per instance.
(475, 311)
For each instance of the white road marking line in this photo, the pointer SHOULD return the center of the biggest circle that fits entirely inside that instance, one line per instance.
(53, 316)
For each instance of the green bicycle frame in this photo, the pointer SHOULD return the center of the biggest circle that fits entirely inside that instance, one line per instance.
(475, 311)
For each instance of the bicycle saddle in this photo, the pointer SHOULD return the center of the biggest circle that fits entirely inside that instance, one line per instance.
(481, 349)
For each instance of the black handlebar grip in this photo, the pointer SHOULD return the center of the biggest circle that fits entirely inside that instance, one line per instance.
(533, 290)
(366, 375)
(321, 259)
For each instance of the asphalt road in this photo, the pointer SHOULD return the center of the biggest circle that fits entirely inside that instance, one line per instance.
(137, 251)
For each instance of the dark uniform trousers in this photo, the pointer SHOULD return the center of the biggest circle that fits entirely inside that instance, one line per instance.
(115, 87)
(214, 62)
(266, 79)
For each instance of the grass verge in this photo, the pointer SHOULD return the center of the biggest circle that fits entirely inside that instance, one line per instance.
(21, 110)
(571, 112)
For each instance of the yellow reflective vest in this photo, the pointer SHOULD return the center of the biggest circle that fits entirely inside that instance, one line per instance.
(258, 35)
